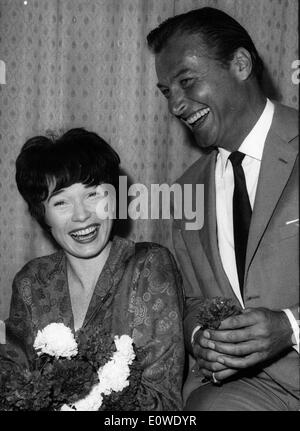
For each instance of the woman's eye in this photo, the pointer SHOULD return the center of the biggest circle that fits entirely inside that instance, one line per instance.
(92, 194)
(59, 203)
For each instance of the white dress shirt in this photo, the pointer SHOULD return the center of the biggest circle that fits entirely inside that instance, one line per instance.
(2, 332)
(252, 147)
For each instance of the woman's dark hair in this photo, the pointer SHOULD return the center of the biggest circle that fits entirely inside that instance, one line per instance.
(78, 156)
(219, 31)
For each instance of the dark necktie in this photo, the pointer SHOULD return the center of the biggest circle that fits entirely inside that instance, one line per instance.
(241, 214)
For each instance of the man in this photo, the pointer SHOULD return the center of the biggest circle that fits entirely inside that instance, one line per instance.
(209, 70)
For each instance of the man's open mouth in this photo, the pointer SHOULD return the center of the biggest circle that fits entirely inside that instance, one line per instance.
(87, 234)
(198, 118)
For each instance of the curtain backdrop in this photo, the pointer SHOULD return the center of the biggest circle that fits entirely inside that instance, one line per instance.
(84, 63)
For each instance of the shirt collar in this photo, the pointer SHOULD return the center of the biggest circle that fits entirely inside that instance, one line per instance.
(253, 144)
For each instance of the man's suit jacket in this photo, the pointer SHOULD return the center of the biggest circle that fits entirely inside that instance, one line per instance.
(272, 266)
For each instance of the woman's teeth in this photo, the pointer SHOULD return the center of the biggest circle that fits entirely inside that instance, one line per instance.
(85, 233)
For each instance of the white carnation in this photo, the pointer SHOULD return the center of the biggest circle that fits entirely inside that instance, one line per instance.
(113, 376)
(124, 348)
(92, 402)
(66, 408)
(57, 340)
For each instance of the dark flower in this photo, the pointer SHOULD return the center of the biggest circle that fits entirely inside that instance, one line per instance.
(213, 311)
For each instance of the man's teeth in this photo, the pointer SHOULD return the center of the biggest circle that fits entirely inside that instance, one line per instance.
(84, 231)
(195, 117)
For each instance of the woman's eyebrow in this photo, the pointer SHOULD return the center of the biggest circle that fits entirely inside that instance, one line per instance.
(55, 193)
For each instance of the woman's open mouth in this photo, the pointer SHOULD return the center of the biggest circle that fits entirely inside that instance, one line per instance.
(85, 235)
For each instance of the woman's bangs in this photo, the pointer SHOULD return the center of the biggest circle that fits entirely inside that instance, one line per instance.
(75, 170)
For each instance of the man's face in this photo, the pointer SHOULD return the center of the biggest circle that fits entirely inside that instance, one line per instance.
(207, 96)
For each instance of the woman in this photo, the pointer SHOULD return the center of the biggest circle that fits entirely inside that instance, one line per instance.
(96, 278)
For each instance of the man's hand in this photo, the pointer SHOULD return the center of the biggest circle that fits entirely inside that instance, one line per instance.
(206, 358)
(256, 335)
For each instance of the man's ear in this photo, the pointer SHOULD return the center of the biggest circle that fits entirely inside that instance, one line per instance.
(241, 64)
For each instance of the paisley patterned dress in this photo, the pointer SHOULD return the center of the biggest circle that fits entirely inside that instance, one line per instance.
(138, 293)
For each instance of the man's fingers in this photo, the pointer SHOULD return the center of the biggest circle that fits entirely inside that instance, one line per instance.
(240, 363)
(206, 373)
(208, 355)
(219, 375)
(240, 349)
(235, 343)
(247, 318)
(222, 375)
(210, 366)
(226, 336)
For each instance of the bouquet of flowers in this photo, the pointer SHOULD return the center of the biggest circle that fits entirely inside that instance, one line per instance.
(94, 371)
(212, 311)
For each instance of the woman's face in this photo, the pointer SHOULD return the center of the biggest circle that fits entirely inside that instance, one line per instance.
(77, 223)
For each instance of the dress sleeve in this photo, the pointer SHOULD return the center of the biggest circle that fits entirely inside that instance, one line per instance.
(158, 307)
(18, 326)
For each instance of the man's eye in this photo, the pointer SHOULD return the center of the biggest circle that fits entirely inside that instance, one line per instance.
(186, 82)
(165, 92)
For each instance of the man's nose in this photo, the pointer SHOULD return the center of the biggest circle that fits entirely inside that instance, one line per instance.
(177, 103)
(80, 212)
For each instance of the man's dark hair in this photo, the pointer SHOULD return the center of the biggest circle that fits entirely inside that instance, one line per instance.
(78, 156)
(219, 31)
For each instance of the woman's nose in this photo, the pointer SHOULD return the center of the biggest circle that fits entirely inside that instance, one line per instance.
(80, 212)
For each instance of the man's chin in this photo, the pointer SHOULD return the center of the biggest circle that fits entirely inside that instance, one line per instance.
(205, 145)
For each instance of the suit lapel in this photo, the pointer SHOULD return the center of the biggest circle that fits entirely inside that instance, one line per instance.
(208, 234)
(276, 167)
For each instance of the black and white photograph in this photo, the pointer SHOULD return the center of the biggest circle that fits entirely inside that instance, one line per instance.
(149, 208)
